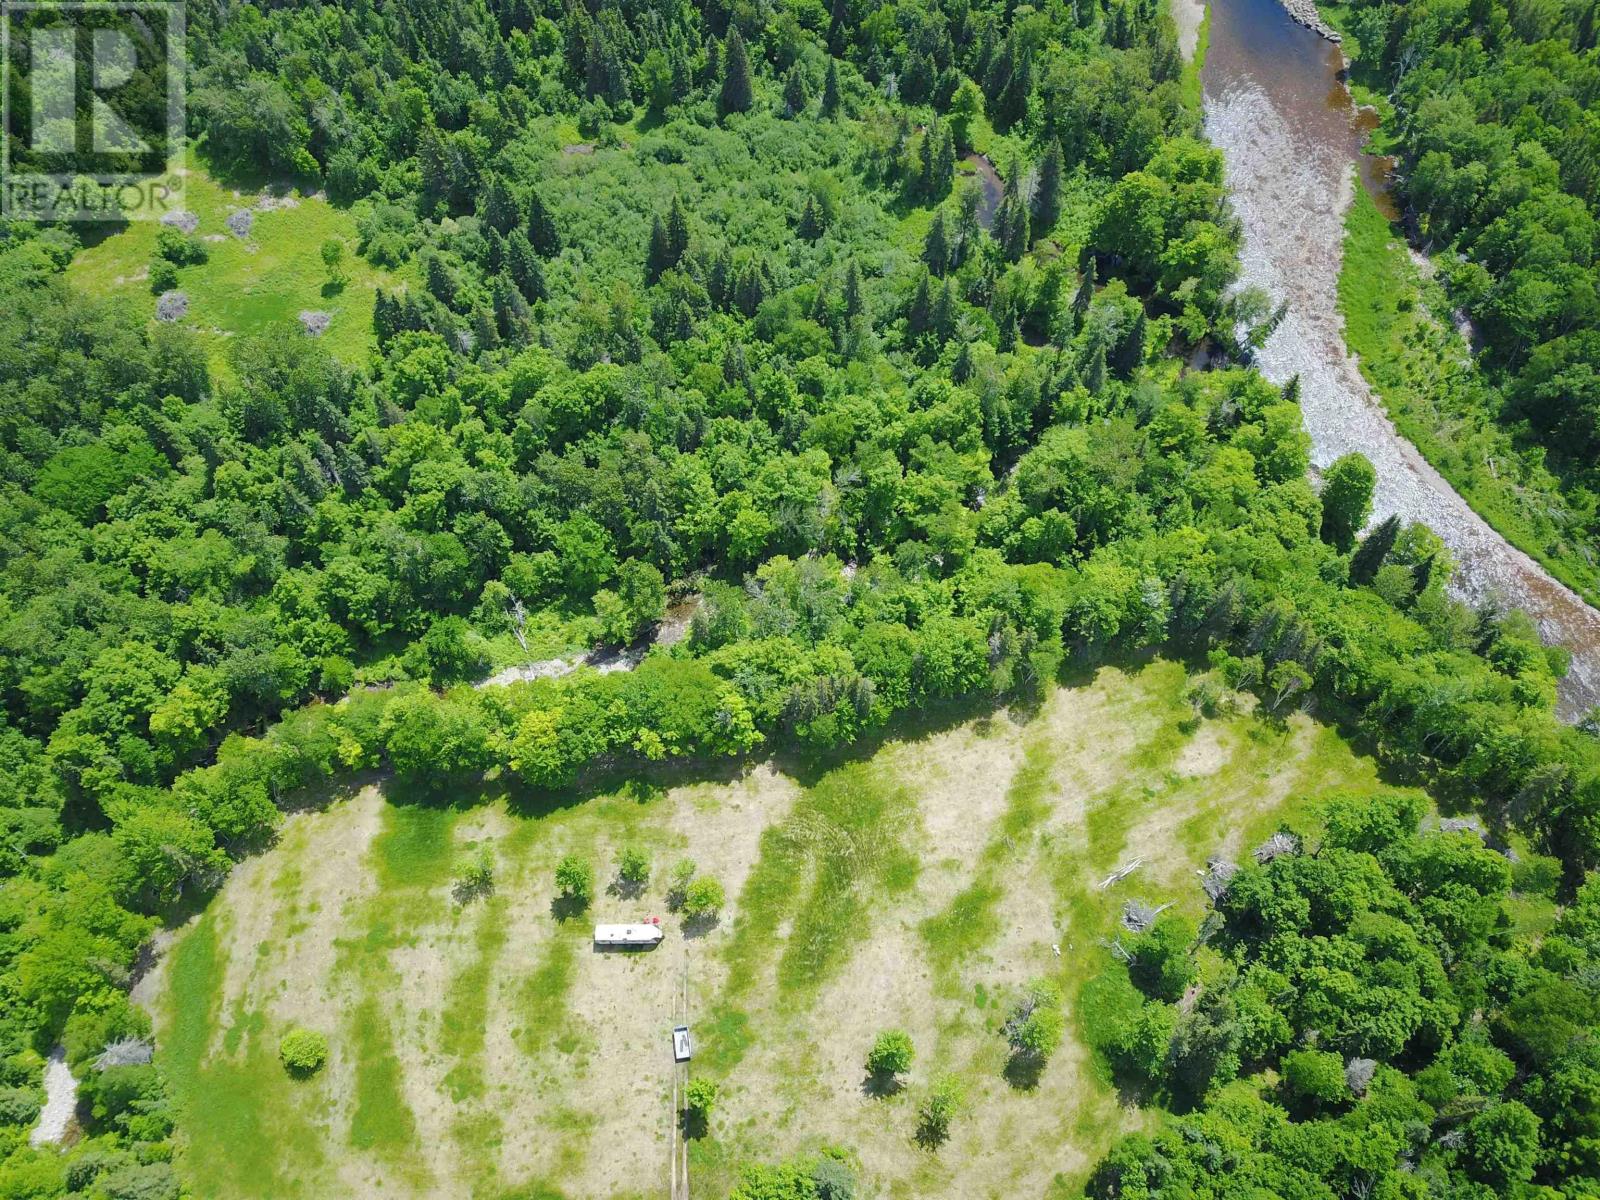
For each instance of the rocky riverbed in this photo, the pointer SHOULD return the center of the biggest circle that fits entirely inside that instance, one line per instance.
(1290, 138)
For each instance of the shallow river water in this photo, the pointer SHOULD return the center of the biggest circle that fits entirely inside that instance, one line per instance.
(1288, 133)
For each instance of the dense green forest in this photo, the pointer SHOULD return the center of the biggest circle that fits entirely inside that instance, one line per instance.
(762, 337)
(1490, 110)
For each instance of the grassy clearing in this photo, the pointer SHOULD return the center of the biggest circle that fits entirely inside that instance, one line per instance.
(1423, 370)
(485, 1049)
(249, 285)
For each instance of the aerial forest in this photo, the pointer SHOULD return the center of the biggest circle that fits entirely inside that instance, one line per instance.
(864, 332)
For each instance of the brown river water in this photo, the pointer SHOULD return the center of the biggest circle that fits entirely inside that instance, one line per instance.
(1276, 108)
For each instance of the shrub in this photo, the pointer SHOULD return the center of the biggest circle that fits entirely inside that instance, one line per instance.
(303, 1052)
(18, 1106)
(163, 276)
(476, 877)
(1036, 1025)
(634, 866)
(891, 1054)
(575, 879)
(1315, 1078)
(940, 1107)
(703, 899)
(700, 1097)
(678, 881)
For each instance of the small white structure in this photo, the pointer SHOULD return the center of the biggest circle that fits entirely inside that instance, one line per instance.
(643, 934)
(681, 1048)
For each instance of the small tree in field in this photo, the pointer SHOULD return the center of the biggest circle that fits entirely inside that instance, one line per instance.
(333, 260)
(699, 1098)
(890, 1055)
(633, 869)
(940, 1107)
(703, 899)
(678, 881)
(475, 878)
(1034, 1031)
(575, 881)
(303, 1052)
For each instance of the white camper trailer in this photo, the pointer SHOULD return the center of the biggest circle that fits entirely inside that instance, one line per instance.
(642, 935)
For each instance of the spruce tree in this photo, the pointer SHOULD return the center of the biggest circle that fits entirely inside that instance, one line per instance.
(853, 301)
(936, 246)
(1373, 550)
(961, 369)
(1085, 293)
(796, 92)
(677, 231)
(738, 92)
(542, 231)
(1047, 197)
(810, 220)
(1094, 375)
(830, 90)
(920, 315)
(945, 160)
(526, 271)
(659, 257)
(944, 312)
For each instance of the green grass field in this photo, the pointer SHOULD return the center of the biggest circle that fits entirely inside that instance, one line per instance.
(249, 285)
(484, 1048)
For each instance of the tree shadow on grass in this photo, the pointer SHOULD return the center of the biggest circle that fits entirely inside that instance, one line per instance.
(568, 908)
(1022, 1071)
(698, 927)
(880, 1085)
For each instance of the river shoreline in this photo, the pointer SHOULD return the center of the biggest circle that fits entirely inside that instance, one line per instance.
(1276, 106)
(1305, 13)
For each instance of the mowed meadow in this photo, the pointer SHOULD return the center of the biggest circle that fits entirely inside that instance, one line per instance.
(485, 1049)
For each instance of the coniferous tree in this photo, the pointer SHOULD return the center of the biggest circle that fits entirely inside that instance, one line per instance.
(936, 246)
(1010, 331)
(944, 162)
(1373, 550)
(526, 270)
(944, 312)
(1047, 197)
(830, 90)
(1094, 375)
(499, 208)
(838, 25)
(1011, 222)
(810, 220)
(853, 300)
(677, 230)
(1085, 293)
(821, 310)
(719, 279)
(796, 92)
(738, 91)
(961, 369)
(658, 259)
(920, 315)
(542, 231)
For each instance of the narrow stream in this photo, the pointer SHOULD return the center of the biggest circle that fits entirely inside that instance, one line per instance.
(1288, 133)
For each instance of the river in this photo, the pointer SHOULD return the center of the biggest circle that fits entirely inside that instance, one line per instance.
(1275, 107)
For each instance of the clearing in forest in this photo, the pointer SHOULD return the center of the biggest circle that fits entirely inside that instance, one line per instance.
(263, 270)
(485, 1049)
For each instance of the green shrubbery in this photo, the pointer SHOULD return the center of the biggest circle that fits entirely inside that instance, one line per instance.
(303, 1052)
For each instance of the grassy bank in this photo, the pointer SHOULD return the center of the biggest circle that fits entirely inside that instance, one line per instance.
(1397, 320)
